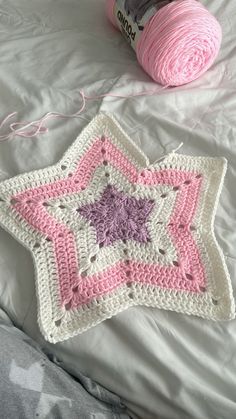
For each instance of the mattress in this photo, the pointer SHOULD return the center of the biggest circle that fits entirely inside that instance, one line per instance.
(162, 364)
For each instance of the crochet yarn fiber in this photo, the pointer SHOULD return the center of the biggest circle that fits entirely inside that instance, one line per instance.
(108, 230)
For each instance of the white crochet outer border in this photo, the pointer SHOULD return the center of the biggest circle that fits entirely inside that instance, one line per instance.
(78, 320)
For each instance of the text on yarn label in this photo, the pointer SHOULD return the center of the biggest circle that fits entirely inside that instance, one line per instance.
(131, 17)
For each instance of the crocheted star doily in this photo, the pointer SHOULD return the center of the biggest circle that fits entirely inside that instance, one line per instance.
(108, 230)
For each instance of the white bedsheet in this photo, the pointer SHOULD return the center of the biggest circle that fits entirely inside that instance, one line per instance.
(163, 365)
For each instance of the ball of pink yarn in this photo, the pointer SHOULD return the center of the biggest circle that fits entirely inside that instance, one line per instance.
(179, 43)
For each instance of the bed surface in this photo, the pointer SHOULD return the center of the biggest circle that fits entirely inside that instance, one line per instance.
(162, 364)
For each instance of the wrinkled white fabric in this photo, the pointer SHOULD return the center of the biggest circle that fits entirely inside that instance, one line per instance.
(162, 364)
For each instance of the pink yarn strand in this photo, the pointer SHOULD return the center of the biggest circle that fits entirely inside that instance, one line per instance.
(37, 125)
(25, 128)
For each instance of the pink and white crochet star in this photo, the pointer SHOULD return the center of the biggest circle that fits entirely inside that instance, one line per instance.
(108, 230)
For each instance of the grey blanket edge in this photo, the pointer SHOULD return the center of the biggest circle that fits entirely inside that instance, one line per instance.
(32, 386)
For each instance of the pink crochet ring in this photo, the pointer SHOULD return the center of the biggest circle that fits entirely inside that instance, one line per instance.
(178, 41)
(108, 230)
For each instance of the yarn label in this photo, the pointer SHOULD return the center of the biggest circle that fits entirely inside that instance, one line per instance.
(132, 16)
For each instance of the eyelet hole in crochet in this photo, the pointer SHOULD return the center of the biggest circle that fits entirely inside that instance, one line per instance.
(162, 252)
(45, 204)
(29, 201)
(107, 174)
(60, 235)
(48, 239)
(176, 188)
(203, 289)
(101, 245)
(198, 176)
(193, 228)
(62, 206)
(175, 263)
(75, 289)
(128, 273)
(181, 226)
(131, 295)
(189, 276)
(105, 162)
(68, 306)
(164, 195)
(103, 151)
(36, 245)
(103, 139)
(63, 167)
(215, 302)
(58, 322)
(187, 182)
(84, 274)
(70, 174)
(14, 201)
(93, 258)
(129, 284)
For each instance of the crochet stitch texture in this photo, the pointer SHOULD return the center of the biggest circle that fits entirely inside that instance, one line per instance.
(108, 230)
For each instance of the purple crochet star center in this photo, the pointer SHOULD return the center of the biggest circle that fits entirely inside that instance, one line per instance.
(117, 216)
